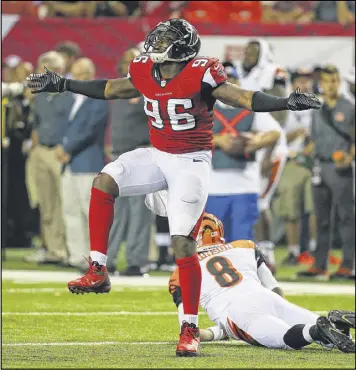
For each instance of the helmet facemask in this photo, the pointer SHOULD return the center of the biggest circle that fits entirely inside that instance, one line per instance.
(168, 43)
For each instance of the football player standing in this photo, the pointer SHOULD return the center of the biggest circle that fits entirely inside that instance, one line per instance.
(179, 90)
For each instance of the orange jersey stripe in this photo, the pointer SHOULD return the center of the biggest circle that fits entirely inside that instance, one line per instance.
(243, 244)
(272, 178)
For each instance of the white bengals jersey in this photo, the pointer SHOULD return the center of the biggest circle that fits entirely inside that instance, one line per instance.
(269, 184)
(226, 270)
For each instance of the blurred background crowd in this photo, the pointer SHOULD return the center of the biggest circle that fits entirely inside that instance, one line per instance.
(280, 12)
(54, 145)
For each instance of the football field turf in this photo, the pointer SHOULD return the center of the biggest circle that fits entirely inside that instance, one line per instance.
(44, 326)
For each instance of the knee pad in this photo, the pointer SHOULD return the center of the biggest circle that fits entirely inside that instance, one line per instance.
(193, 190)
(114, 169)
(117, 171)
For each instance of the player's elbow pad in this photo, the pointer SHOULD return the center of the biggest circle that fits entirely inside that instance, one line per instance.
(262, 102)
(93, 89)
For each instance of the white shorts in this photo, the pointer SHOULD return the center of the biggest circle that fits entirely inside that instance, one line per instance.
(184, 176)
(269, 185)
(263, 318)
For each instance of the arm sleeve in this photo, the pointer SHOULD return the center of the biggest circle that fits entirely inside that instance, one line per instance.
(266, 277)
(262, 102)
(98, 118)
(260, 258)
(93, 89)
(263, 272)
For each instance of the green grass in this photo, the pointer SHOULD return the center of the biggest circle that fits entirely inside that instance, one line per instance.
(162, 356)
(126, 332)
(15, 256)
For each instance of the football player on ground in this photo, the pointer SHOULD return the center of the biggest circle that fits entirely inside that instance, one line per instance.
(240, 294)
(180, 90)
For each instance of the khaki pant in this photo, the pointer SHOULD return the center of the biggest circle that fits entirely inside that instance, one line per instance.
(294, 192)
(76, 190)
(48, 176)
(30, 173)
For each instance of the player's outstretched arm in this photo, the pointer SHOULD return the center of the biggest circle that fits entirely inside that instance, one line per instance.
(121, 88)
(52, 82)
(258, 101)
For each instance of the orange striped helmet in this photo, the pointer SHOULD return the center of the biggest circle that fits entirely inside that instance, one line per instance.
(211, 231)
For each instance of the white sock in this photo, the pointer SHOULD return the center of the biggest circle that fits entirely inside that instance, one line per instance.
(306, 333)
(180, 315)
(191, 319)
(312, 245)
(294, 249)
(98, 257)
(217, 332)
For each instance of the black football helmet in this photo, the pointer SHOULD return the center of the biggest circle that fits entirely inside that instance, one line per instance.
(175, 40)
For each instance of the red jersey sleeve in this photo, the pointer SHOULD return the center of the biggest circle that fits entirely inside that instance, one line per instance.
(137, 69)
(214, 75)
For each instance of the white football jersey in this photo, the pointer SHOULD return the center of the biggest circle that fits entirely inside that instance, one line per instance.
(225, 269)
(229, 271)
(260, 78)
(281, 148)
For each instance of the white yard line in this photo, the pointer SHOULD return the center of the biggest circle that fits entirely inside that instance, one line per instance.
(35, 290)
(65, 290)
(141, 283)
(108, 313)
(21, 276)
(233, 343)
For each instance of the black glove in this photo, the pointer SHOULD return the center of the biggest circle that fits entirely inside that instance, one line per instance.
(302, 101)
(46, 82)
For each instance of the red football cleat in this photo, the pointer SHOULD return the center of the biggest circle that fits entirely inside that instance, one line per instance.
(96, 280)
(189, 340)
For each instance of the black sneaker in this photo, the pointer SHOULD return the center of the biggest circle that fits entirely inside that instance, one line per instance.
(290, 260)
(132, 271)
(111, 269)
(343, 320)
(314, 272)
(343, 274)
(329, 334)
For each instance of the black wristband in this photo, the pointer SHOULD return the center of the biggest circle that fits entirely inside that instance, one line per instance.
(262, 102)
(93, 89)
